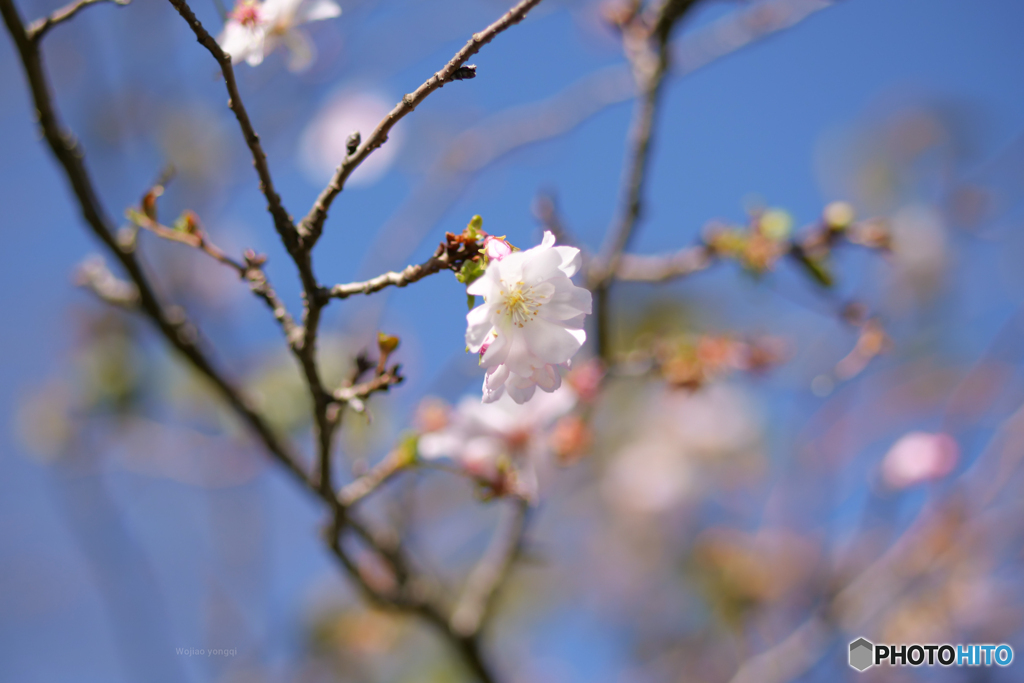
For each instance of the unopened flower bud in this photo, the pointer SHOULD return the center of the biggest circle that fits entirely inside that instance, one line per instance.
(352, 143)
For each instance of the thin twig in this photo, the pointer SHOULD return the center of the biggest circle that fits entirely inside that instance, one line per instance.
(312, 225)
(282, 221)
(194, 238)
(38, 28)
(393, 463)
(250, 270)
(441, 260)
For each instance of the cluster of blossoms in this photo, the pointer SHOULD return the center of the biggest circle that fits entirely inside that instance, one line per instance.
(254, 29)
(531, 321)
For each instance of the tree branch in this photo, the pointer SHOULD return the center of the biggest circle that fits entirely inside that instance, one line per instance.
(687, 261)
(38, 28)
(648, 53)
(250, 269)
(443, 259)
(312, 225)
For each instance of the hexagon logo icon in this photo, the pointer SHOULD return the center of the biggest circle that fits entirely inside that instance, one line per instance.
(861, 654)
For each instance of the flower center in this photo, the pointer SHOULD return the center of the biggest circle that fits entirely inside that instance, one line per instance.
(246, 13)
(519, 304)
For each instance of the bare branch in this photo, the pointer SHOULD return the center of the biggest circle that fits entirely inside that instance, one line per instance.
(38, 28)
(483, 583)
(363, 390)
(94, 275)
(449, 255)
(393, 463)
(250, 270)
(282, 221)
(312, 225)
(648, 53)
(636, 268)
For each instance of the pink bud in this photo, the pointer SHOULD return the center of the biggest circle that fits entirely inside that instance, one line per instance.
(497, 248)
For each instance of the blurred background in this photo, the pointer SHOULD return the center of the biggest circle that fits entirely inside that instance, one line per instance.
(721, 521)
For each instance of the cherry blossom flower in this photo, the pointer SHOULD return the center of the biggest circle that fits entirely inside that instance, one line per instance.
(531, 321)
(254, 29)
(919, 457)
(500, 444)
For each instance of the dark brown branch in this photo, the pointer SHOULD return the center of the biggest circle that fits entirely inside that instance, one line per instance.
(470, 614)
(173, 327)
(282, 221)
(38, 28)
(312, 225)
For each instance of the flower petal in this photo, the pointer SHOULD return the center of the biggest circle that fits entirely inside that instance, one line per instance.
(317, 10)
(571, 260)
(551, 342)
(520, 389)
(478, 326)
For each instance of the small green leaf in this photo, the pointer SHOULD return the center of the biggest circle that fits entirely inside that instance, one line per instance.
(473, 229)
(469, 272)
(471, 300)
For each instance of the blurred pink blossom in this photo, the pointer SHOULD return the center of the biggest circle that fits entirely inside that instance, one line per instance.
(918, 457)
(324, 142)
(501, 443)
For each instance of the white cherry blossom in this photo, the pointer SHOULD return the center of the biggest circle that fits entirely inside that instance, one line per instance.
(254, 29)
(531, 321)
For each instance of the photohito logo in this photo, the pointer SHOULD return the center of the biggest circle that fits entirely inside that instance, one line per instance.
(865, 654)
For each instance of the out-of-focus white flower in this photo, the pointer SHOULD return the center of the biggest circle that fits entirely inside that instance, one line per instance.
(502, 443)
(254, 29)
(531, 320)
(919, 457)
(324, 141)
(920, 253)
(684, 440)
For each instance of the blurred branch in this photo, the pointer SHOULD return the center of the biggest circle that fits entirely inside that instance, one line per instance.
(393, 463)
(282, 221)
(647, 50)
(312, 225)
(38, 28)
(94, 275)
(172, 325)
(661, 268)
(487, 577)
